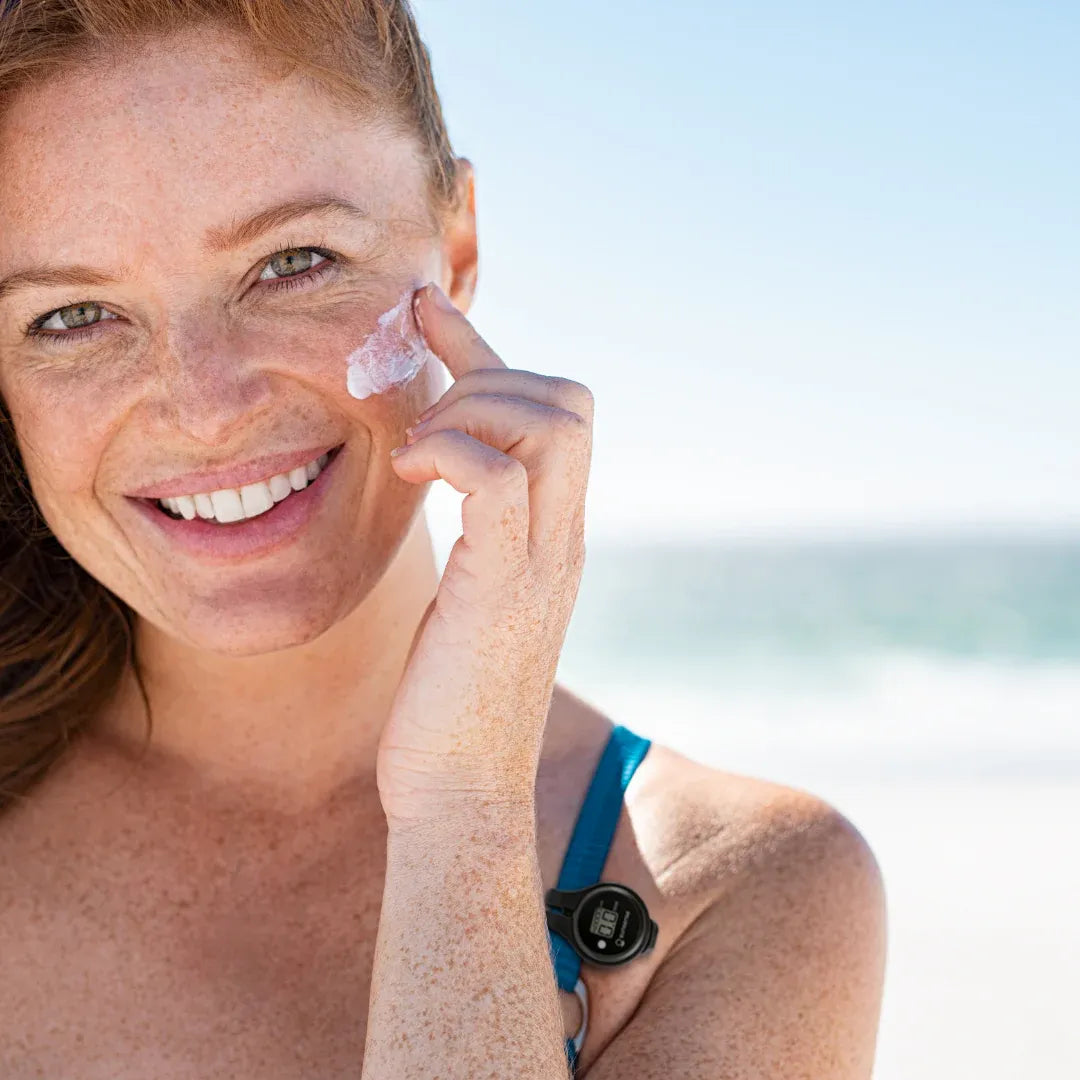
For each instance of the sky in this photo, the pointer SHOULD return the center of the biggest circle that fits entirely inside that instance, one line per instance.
(816, 262)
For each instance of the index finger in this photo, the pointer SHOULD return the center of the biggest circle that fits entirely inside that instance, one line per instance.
(450, 336)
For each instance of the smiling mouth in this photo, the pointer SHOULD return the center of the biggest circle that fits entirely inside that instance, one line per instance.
(236, 506)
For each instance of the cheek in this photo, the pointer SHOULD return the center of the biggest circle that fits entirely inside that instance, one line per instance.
(391, 356)
(369, 357)
(61, 438)
(62, 427)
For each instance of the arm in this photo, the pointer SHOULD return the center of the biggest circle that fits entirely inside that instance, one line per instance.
(463, 984)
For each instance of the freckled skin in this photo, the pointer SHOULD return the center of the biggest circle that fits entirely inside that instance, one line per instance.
(270, 679)
(217, 914)
(206, 363)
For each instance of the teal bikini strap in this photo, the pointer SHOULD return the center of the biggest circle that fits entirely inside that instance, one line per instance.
(591, 841)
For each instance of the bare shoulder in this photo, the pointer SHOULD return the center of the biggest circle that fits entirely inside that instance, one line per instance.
(728, 832)
(770, 957)
(781, 970)
(705, 831)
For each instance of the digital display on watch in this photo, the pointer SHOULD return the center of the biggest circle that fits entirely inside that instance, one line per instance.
(609, 923)
(606, 923)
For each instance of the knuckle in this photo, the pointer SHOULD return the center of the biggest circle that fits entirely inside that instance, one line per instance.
(571, 395)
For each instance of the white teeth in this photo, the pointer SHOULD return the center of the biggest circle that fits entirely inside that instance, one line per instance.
(236, 504)
(279, 487)
(256, 499)
(227, 504)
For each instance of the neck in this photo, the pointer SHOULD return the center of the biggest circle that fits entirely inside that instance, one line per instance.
(286, 730)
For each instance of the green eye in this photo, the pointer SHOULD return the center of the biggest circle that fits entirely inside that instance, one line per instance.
(289, 268)
(296, 267)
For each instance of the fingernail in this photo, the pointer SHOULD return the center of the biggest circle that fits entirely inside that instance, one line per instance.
(439, 298)
(398, 450)
(416, 311)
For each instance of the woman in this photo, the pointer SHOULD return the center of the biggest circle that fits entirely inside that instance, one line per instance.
(281, 800)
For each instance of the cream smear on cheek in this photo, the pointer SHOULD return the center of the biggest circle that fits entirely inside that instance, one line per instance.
(392, 354)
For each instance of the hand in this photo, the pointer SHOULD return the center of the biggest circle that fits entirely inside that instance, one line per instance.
(466, 725)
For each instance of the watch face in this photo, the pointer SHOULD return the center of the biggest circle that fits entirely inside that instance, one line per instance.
(610, 924)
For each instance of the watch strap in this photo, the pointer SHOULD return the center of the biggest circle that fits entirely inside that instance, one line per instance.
(593, 832)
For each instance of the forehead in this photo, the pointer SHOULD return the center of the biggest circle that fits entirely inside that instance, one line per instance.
(181, 137)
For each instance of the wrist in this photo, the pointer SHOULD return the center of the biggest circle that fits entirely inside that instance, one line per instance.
(467, 822)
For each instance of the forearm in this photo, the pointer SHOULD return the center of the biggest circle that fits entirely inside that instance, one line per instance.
(463, 984)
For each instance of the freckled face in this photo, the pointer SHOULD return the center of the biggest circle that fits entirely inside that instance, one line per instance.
(199, 356)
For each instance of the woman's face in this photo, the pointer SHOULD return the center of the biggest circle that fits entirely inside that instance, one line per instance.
(209, 349)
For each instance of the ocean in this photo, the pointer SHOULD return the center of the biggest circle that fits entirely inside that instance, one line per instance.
(894, 659)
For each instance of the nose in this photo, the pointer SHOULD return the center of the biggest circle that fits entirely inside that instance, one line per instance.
(211, 386)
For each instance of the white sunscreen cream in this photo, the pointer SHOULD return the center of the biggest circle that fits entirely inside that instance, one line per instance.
(392, 354)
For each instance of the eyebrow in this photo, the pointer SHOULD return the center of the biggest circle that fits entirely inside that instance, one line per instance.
(217, 239)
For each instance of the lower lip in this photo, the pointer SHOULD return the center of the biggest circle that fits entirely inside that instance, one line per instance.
(261, 535)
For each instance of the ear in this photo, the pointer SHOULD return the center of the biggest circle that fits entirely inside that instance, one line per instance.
(460, 256)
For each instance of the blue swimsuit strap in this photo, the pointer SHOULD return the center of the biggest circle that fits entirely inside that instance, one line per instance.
(591, 840)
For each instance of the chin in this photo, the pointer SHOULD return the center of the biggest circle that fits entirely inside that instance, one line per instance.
(251, 626)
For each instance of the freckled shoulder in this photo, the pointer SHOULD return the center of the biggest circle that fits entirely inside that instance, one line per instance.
(768, 901)
(692, 827)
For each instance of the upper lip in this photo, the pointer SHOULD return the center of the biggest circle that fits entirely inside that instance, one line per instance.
(234, 476)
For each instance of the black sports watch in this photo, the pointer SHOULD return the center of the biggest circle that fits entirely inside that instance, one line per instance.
(604, 923)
